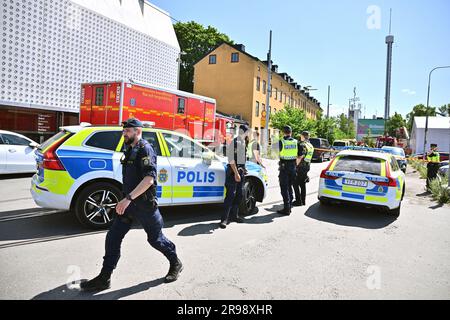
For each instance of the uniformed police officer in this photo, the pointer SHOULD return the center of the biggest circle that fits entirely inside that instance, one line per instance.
(433, 159)
(288, 161)
(306, 151)
(254, 149)
(139, 188)
(234, 180)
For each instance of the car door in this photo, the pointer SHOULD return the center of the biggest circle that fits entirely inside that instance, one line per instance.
(398, 175)
(164, 169)
(2, 155)
(19, 155)
(194, 181)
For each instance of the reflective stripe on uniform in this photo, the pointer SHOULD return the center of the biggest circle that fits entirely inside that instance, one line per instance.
(434, 159)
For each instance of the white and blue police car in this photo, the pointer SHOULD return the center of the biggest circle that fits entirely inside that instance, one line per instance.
(79, 170)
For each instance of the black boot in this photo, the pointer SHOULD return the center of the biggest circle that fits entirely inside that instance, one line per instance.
(285, 211)
(99, 283)
(174, 271)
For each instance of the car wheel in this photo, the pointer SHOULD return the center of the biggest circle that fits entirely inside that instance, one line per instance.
(248, 203)
(395, 212)
(321, 158)
(96, 204)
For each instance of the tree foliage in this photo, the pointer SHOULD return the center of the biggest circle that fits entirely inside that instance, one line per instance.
(195, 41)
(419, 110)
(394, 123)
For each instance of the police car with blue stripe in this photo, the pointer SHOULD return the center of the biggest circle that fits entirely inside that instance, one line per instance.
(79, 170)
(366, 176)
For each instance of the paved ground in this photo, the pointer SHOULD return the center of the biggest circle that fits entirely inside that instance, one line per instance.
(316, 253)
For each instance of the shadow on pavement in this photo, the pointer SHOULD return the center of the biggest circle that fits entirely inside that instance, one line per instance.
(12, 176)
(436, 206)
(65, 293)
(350, 216)
(63, 225)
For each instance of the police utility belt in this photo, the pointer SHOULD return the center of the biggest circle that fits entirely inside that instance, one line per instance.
(149, 196)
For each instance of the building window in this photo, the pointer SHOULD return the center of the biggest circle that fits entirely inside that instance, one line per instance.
(235, 57)
(274, 110)
(212, 59)
(181, 105)
(257, 109)
(276, 94)
(270, 90)
(263, 107)
(264, 86)
(281, 96)
(258, 83)
(99, 93)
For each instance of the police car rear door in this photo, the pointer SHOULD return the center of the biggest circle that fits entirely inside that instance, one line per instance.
(164, 169)
(194, 180)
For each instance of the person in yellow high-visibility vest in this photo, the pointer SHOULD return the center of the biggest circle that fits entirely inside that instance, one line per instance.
(433, 159)
(306, 151)
(288, 147)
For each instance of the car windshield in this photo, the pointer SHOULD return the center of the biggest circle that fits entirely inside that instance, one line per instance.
(339, 144)
(358, 164)
(315, 142)
(395, 151)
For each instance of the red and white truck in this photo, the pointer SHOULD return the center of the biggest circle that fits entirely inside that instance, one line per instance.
(110, 103)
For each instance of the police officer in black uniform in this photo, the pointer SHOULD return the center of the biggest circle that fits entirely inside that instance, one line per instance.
(288, 147)
(302, 171)
(140, 203)
(234, 180)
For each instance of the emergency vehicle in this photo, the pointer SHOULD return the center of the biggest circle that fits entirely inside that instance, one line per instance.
(110, 103)
(365, 176)
(79, 170)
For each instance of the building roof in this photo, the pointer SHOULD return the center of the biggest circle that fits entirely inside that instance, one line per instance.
(149, 19)
(433, 122)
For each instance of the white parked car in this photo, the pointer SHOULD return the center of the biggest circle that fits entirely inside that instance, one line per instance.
(16, 153)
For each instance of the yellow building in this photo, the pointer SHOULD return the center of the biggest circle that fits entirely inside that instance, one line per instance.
(238, 82)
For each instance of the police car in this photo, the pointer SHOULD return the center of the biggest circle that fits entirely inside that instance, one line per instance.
(369, 177)
(79, 170)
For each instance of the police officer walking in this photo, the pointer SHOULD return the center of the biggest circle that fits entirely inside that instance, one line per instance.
(433, 159)
(306, 151)
(234, 180)
(288, 161)
(139, 188)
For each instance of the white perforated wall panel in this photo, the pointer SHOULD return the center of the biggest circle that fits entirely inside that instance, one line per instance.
(50, 47)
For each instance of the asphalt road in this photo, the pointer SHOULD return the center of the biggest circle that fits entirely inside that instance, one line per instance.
(335, 252)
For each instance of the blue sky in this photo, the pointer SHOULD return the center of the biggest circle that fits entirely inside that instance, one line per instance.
(328, 42)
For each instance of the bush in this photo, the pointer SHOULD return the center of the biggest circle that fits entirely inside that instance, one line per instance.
(422, 171)
(438, 188)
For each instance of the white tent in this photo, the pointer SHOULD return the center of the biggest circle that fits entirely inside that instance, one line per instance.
(438, 132)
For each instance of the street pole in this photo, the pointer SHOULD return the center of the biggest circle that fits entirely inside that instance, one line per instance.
(328, 104)
(427, 111)
(265, 142)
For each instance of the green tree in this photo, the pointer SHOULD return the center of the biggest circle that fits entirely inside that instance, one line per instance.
(294, 117)
(346, 126)
(326, 128)
(445, 110)
(419, 110)
(195, 41)
(394, 123)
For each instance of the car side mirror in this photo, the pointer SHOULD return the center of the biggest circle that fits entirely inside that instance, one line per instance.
(207, 157)
(33, 145)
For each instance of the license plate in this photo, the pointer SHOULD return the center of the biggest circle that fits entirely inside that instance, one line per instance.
(355, 183)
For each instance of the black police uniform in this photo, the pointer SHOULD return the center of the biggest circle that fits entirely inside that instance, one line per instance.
(138, 162)
(286, 179)
(235, 151)
(301, 176)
